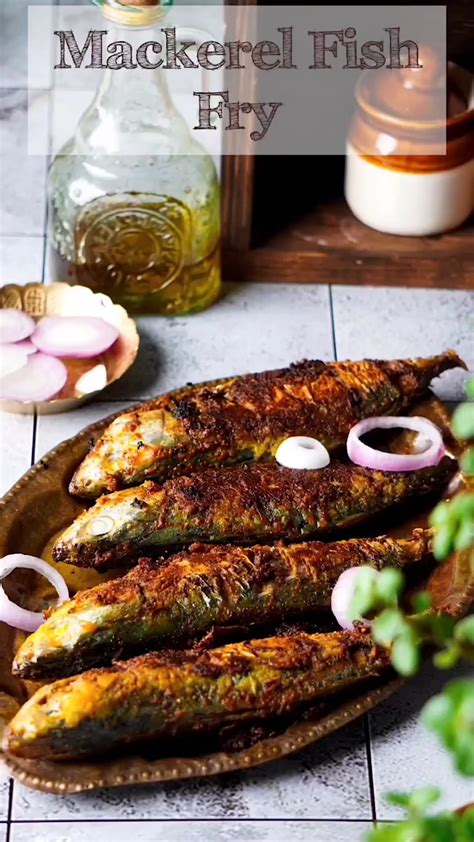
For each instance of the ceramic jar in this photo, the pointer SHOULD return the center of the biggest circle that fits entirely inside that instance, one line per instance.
(407, 171)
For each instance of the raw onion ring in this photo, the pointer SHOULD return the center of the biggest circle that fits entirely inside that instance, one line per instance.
(74, 336)
(13, 614)
(302, 453)
(39, 380)
(11, 359)
(26, 344)
(368, 457)
(15, 324)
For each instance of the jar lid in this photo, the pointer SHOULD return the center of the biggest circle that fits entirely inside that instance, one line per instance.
(134, 12)
(416, 95)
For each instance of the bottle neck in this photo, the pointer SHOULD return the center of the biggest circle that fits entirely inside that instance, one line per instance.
(133, 85)
(132, 112)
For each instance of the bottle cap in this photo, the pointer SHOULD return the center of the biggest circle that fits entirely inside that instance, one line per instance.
(134, 12)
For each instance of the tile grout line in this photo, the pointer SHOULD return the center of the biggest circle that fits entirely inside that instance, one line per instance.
(24, 235)
(366, 725)
(9, 811)
(202, 820)
(333, 321)
(370, 768)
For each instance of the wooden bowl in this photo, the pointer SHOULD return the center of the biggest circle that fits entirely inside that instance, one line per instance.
(63, 300)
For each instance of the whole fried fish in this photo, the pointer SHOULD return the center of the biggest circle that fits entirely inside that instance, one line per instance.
(161, 696)
(248, 503)
(243, 419)
(154, 606)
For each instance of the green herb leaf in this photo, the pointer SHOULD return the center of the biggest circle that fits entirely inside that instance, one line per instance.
(464, 630)
(389, 585)
(465, 535)
(463, 422)
(447, 658)
(422, 601)
(406, 655)
(440, 515)
(399, 799)
(364, 600)
(467, 462)
(451, 716)
(463, 505)
(443, 541)
(389, 625)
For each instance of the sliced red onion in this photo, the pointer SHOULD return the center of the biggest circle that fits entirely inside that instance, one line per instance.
(368, 457)
(343, 594)
(11, 359)
(92, 381)
(74, 336)
(14, 615)
(39, 380)
(27, 346)
(15, 325)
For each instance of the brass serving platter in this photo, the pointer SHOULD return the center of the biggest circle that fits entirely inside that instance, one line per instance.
(38, 507)
(61, 299)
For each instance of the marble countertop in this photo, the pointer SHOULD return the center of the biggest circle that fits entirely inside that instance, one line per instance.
(334, 790)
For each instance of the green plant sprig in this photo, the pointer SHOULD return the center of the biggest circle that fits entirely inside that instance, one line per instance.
(419, 827)
(454, 521)
(450, 714)
(407, 634)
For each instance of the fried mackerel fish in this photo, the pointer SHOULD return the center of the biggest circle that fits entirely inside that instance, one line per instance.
(154, 607)
(173, 694)
(244, 504)
(245, 418)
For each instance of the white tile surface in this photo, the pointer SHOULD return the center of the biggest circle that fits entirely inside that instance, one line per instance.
(190, 832)
(388, 322)
(3, 832)
(405, 755)
(327, 781)
(22, 176)
(53, 429)
(21, 260)
(4, 792)
(14, 29)
(253, 327)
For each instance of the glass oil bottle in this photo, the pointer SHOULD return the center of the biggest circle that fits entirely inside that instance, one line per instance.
(134, 200)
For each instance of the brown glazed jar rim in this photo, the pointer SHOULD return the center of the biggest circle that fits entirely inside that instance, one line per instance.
(453, 123)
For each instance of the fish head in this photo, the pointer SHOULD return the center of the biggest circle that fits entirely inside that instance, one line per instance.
(122, 518)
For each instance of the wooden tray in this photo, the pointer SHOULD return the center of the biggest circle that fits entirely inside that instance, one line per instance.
(38, 507)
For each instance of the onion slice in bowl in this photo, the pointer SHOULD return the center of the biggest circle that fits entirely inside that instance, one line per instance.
(14, 615)
(74, 336)
(11, 359)
(368, 457)
(26, 344)
(15, 325)
(39, 380)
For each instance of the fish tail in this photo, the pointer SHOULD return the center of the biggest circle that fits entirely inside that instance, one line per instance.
(414, 376)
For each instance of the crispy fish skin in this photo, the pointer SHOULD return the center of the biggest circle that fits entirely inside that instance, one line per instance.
(161, 696)
(248, 503)
(154, 607)
(245, 418)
